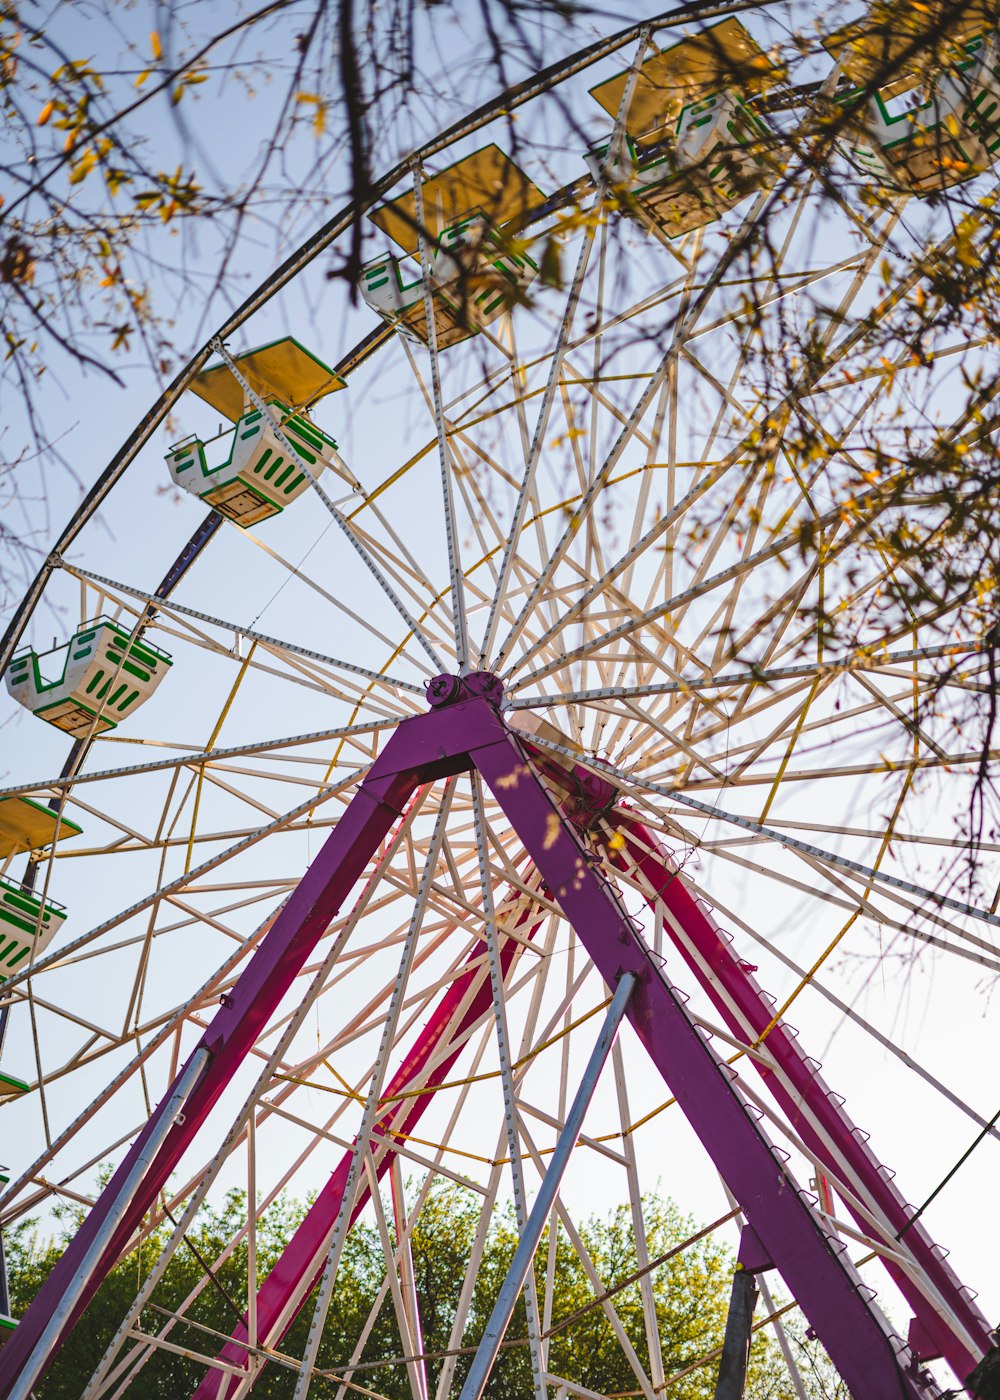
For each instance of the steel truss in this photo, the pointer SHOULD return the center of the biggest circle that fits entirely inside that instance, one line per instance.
(464, 730)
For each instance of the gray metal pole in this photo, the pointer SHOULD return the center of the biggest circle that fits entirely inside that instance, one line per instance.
(483, 1361)
(732, 1381)
(49, 1339)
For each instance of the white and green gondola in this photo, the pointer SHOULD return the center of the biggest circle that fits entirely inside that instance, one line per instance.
(475, 267)
(258, 476)
(94, 681)
(938, 123)
(694, 144)
(28, 925)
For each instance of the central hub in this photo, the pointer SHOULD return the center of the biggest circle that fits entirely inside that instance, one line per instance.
(477, 685)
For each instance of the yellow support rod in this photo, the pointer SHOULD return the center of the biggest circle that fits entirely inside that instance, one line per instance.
(211, 745)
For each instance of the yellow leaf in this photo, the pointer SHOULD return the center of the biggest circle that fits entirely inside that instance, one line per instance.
(142, 77)
(156, 46)
(45, 113)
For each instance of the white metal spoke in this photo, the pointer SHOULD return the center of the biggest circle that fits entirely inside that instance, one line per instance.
(507, 1076)
(683, 494)
(444, 449)
(250, 634)
(342, 523)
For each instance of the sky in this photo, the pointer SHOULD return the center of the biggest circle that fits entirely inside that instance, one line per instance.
(936, 1006)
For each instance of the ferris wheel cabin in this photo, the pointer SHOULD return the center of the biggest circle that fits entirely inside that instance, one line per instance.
(27, 926)
(258, 477)
(474, 266)
(694, 143)
(99, 677)
(935, 125)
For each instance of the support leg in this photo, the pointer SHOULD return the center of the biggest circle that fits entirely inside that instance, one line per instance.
(46, 1344)
(245, 1012)
(503, 1309)
(947, 1315)
(873, 1361)
(732, 1381)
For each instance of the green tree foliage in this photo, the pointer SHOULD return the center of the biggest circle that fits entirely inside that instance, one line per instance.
(690, 1289)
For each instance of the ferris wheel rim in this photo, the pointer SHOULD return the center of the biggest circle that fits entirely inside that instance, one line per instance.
(685, 12)
(201, 361)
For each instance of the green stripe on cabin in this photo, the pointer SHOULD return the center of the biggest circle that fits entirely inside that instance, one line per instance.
(15, 922)
(61, 704)
(304, 453)
(21, 901)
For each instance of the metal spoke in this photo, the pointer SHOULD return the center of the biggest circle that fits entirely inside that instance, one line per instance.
(343, 524)
(507, 1077)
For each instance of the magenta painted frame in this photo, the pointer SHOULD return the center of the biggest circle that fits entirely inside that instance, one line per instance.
(875, 1363)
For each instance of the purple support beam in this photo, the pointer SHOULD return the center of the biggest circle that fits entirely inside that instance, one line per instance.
(463, 732)
(425, 745)
(950, 1325)
(289, 1283)
(875, 1364)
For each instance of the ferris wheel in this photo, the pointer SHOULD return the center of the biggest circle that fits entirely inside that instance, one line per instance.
(527, 734)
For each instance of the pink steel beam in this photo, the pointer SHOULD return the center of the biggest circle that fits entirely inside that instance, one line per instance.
(814, 1111)
(468, 731)
(289, 1283)
(952, 1326)
(420, 750)
(875, 1364)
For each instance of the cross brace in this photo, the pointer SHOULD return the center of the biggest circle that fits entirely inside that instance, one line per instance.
(465, 731)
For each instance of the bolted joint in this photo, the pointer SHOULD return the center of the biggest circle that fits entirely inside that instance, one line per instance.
(443, 690)
(590, 798)
(449, 690)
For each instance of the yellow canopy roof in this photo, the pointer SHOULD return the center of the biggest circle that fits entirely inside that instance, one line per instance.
(487, 180)
(28, 826)
(875, 44)
(284, 369)
(722, 56)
